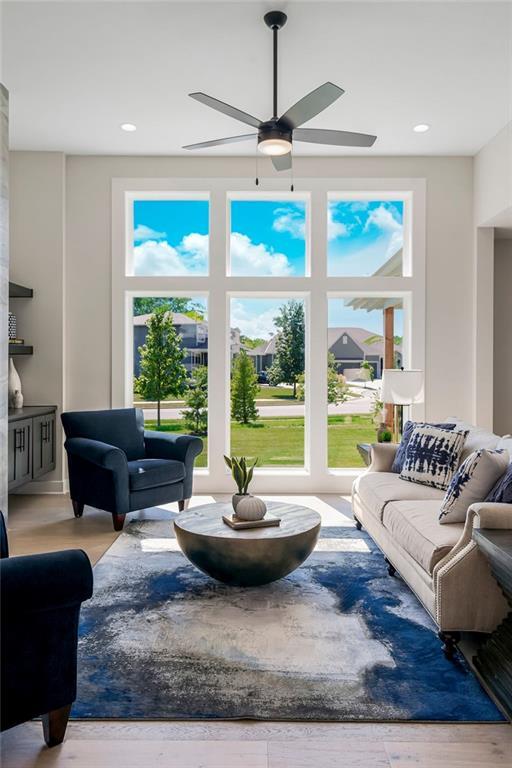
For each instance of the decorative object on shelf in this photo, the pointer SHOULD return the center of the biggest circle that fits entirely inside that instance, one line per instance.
(384, 434)
(250, 508)
(14, 383)
(242, 475)
(399, 388)
(17, 400)
(12, 326)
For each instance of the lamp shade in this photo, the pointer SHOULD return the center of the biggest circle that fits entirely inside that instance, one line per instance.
(402, 387)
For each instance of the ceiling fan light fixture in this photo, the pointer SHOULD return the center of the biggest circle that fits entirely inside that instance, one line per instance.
(275, 147)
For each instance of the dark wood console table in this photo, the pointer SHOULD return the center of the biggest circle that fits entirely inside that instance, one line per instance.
(494, 658)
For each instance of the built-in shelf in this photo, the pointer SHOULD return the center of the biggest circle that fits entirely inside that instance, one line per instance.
(20, 291)
(21, 349)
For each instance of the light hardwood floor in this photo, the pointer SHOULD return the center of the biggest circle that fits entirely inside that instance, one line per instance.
(45, 523)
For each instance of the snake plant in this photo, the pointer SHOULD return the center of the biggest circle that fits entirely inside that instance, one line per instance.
(241, 471)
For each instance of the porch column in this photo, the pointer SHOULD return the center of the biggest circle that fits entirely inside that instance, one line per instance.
(389, 355)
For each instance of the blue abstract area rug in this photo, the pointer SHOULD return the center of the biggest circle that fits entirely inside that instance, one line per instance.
(336, 640)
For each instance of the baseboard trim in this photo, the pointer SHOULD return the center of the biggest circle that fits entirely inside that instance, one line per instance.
(42, 487)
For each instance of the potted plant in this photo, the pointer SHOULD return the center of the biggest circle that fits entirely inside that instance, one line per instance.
(246, 507)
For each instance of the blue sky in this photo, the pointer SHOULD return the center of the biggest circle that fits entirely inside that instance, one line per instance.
(363, 235)
(255, 317)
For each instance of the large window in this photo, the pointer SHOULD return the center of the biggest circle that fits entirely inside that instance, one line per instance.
(267, 380)
(364, 336)
(275, 314)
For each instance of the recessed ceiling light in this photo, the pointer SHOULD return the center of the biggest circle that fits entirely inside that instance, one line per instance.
(421, 128)
(128, 127)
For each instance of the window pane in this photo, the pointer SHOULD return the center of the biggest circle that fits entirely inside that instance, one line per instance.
(267, 380)
(357, 354)
(268, 238)
(170, 363)
(365, 237)
(170, 237)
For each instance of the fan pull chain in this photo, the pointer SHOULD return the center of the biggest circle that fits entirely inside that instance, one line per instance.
(292, 185)
(257, 180)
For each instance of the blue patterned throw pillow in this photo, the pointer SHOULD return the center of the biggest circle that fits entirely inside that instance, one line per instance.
(409, 428)
(502, 491)
(472, 482)
(433, 455)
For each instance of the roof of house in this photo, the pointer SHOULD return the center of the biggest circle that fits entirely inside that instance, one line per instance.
(359, 336)
(266, 348)
(178, 318)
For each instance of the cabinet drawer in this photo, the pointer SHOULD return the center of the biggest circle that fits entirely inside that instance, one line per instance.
(43, 444)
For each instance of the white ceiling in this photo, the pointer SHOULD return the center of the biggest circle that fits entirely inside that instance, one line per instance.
(76, 70)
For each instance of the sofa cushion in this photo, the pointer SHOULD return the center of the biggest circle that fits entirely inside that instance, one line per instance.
(432, 456)
(409, 428)
(501, 493)
(415, 527)
(475, 477)
(376, 489)
(149, 473)
(478, 437)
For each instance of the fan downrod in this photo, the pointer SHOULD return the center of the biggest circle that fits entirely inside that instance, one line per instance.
(275, 19)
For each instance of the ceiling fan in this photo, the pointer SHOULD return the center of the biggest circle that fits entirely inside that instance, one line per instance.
(276, 136)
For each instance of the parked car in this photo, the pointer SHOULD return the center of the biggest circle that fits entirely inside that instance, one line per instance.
(262, 377)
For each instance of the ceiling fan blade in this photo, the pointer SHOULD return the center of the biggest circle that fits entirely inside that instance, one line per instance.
(226, 109)
(282, 162)
(218, 142)
(338, 138)
(311, 105)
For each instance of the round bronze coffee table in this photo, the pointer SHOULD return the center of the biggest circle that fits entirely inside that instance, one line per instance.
(249, 557)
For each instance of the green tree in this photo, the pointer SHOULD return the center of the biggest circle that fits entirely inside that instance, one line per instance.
(251, 343)
(147, 305)
(244, 387)
(288, 362)
(162, 373)
(196, 398)
(337, 389)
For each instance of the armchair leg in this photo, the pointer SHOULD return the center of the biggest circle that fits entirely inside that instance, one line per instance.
(183, 504)
(391, 567)
(78, 508)
(55, 724)
(118, 521)
(359, 525)
(449, 640)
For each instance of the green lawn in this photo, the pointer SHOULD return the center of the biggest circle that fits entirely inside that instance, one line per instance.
(280, 441)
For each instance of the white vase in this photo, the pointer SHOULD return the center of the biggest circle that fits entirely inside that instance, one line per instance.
(251, 508)
(236, 498)
(14, 384)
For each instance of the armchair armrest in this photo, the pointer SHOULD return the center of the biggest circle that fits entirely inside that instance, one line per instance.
(101, 454)
(168, 445)
(184, 448)
(37, 583)
(382, 457)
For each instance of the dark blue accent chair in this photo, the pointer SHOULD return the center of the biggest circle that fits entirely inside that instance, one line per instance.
(40, 597)
(117, 465)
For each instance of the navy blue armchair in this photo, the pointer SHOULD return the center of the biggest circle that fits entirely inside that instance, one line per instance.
(41, 597)
(116, 465)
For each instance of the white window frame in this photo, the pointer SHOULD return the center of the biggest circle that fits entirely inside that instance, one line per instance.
(219, 286)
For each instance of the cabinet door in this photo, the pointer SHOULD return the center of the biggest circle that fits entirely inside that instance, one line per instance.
(21, 457)
(44, 444)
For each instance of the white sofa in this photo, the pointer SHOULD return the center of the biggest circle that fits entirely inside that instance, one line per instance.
(441, 563)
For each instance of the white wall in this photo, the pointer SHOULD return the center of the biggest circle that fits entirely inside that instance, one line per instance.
(37, 260)
(502, 336)
(87, 279)
(493, 181)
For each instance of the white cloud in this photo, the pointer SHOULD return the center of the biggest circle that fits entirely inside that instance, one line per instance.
(248, 258)
(383, 219)
(142, 233)
(154, 257)
(258, 326)
(359, 205)
(335, 228)
(289, 220)
(396, 242)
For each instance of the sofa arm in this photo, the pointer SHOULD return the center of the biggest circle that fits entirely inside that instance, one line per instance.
(487, 514)
(382, 457)
(36, 583)
(96, 452)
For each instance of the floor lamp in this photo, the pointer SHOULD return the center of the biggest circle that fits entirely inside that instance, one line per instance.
(399, 388)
